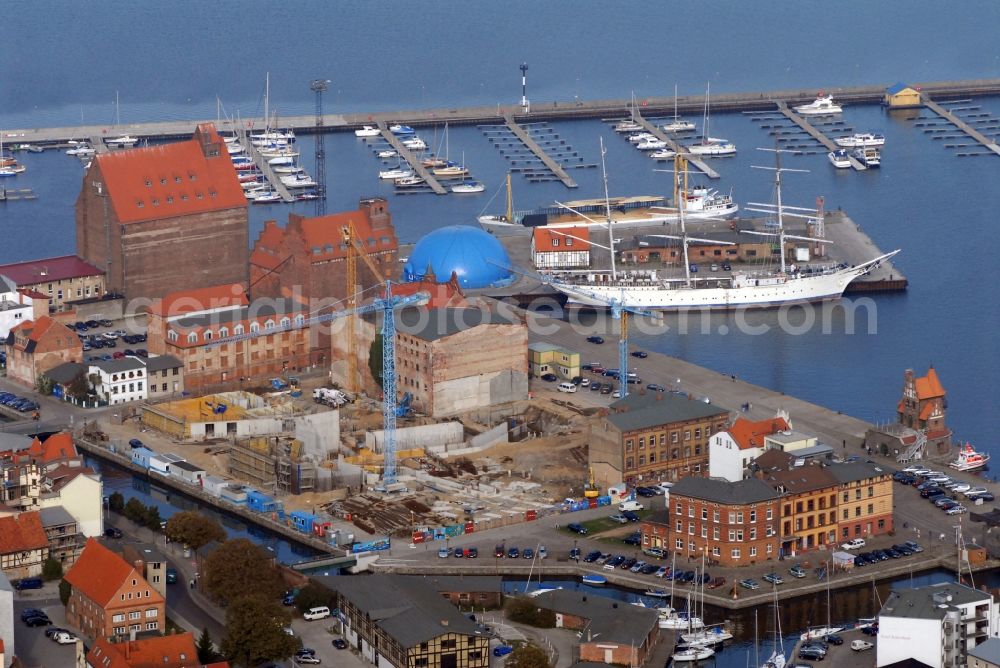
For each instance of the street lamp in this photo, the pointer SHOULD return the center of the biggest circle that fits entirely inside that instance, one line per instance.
(524, 87)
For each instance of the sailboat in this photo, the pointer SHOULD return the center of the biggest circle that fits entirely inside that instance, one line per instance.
(669, 617)
(122, 141)
(692, 652)
(761, 289)
(708, 635)
(8, 166)
(450, 170)
(823, 631)
(629, 124)
(270, 137)
(777, 658)
(678, 124)
(711, 146)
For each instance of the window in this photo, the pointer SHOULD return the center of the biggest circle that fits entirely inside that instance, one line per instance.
(715, 516)
(192, 337)
(118, 618)
(715, 533)
(254, 327)
(846, 515)
(871, 509)
(770, 513)
(268, 324)
(134, 615)
(555, 242)
(753, 516)
(679, 544)
(680, 526)
(678, 509)
(704, 531)
(753, 550)
(690, 528)
(223, 332)
(732, 517)
(732, 535)
(448, 644)
(238, 329)
(285, 322)
(208, 335)
(735, 553)
(171, 335)
(151, 626)
(687, 434)
(847, 497)
(739, 517)
(704, 514)
(871, 491)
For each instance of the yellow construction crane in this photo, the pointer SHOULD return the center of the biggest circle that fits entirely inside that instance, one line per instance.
(590, 489)
(354, 250)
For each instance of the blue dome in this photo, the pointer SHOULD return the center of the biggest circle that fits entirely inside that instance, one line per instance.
(475, 256)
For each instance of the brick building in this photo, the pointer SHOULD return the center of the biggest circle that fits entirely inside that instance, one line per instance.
(865, 500)
(24, 547)
(166, 217)
(36, 346)
(650, 436)
(732, 523)
(177, 650)
(186, 325)
(736, 248)
(110, 599)
(655, 529)
(808, 501)
(60, 279)
(442, 361)
(308, 256)
(609, 632)
(924, 405)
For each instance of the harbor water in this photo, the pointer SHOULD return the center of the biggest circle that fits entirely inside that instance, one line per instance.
(938, 208)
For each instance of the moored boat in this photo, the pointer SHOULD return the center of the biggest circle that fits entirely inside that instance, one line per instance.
(388, 153)
(823, 105)
(594, 580)
(627, 126)
(414, 144)
(267, 197)
(692, 654)
(401, 130)
(969, 459)
(122, 141)
(663, 154)
(860, 139)
(468, 187)
(367, 131)
(868, 156)
(839, 158)
(656, 593)
(395, 173)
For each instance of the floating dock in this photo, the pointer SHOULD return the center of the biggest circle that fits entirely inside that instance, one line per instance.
(816, 134)
(651, 128)
(415, 164)
(265, 168)
(959, 123)
(539, 152)
(16, 194)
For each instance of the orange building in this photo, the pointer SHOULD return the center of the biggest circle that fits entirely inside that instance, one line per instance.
(174, 651)
(924, 404)
(187, 325)
(164, 217)
(110, 598)
(563, 248)
(864, 500)
(808, 501)
(35, 346)
(24, 547)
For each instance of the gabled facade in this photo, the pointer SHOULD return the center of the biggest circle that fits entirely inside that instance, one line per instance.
(110, 599)
(80, 492)
(54, 451)
(809, 517)
(36, 346)
(924, 405)
(24, 547)
(731, 451)
(864, 500)
(563, 248)
(165, 217)
(20, 482)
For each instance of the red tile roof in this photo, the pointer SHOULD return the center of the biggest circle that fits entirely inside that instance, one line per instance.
(173, 651)
(442, 295)
(99, 573)
(171, 179)
(929, 386)
(54, 448)
(34, 294)
(545, 237)
(62, 475)
(750, 434)
(21, 533)
(48, 269)
(201, 299)
(322, 236)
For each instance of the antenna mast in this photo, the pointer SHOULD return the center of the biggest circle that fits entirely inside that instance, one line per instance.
(318, 86)
(607, 208)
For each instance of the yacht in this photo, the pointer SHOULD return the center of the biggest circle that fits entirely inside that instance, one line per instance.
(839, 158)
(869, 157)
(663, 154)
(388, 153)
(823, 105)
(367, 131)
(81, 149)
(395, 173)
(287, 169)
(400, 130)
(124, 141)
(267, 197)
(627, 126)
(278, 152)
(278, 136)
(640, 137)
(414, 144)
(692, 654)
(969, 459)
(861, 140)
(653, 144)
(679, 125)
(713, 147)
(450, 171)
(298, 181)
(468, 187)
(409, 181)
(281, 161)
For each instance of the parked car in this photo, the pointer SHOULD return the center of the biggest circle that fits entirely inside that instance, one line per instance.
(641, 354)
(542, 552)
(913, 545)
(661, 571)
(513, 553)
(956, 510)
(726, 266)
(340, 643)
(630, 516)
(984, 496)
(528, 553)
(653, 387)
(797, 571)
(861, 645)
(855, 544)
(113, 532)
(749, 583)
(64, 638)
(29, 583)
(574, 553)
(812, 652)
(716, 582)
(458, 552)
(648, 569)
(638, 566)
(443, 553)
(549, 377)
(38, 620)
(834, 639)
(655, 552)
(618, 517)
(870, 630)
(592, 556)
(774, 578)
(502, 650)
(633, 539)
(577, 528)
(499, 551)
(51, 632)
(591, 339)
(31, 612)
(627, 564)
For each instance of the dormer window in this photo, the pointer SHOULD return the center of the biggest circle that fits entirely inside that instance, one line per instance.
(199, 195)
(156, 202)
(211, 193)
(192, 176)
(139, 203)
(177, 179)
(170, 199)
(184, 197)
(192, 337)
(149, 184)
(163, 182)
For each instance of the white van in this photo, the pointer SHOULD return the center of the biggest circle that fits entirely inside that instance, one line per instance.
(630, 505)
(567, 387)
(316, 613)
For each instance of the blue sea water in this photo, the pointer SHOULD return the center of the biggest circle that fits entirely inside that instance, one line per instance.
(176, 60)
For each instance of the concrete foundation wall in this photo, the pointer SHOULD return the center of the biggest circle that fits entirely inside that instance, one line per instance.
(111, 309)
(255, 427)
(424, 436)
(319, 433)
(486, 389)
(496, 435)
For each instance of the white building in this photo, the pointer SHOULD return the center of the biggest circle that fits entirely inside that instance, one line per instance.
(6, 617)
(81, 492)
(565, 248)
(15, 307)
(187, 472)
(122, 380)
(730, 452)
(935, 625)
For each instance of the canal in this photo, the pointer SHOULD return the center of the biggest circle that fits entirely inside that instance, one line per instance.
(118, 479)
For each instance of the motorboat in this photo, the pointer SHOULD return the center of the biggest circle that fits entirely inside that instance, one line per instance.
(278, 152)
(434, 162)
(395, 173)
(298, 181)
(839, 158)
(248, 177)
(307, 195)
(267, 197)
(594, 580)
(367, 131)
(823, 105)
(663, 154)
(260, 142)
(869, 157)
(12, 170)
(651, 145)
(656, 593)
(281, 161)
(679, 125)
(409, 181)
(287, 169)
(641, 137)
(627, 126)
(692, 654)
(861, 140)
(707, 636)
(234, 148)
(81, 149)
(277, 136)
(468, 187)
(401, 130)
(969, 459)
(713, 147)
(122, 141)
(414, 143)
(388, 153)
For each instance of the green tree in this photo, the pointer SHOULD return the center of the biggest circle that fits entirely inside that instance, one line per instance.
(65, 589)
(528, 656)
(52, 569)
(194, 529)
(375, 359)
(255, 631)
(313, 596)
(116, 502)
(44, 385)
(78, 387)
(206, 648)
(135, 510)
(239, 568)
(524, 611)
(152, 519)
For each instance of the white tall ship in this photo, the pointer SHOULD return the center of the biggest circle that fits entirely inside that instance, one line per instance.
(761, 289)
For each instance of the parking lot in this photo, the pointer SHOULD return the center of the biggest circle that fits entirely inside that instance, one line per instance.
(101, 341)
(33, 648)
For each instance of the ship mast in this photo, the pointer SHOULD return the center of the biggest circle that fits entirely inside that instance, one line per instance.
(607, 209)
(777, 169)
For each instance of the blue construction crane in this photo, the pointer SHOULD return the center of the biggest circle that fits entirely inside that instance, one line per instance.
(387, 305)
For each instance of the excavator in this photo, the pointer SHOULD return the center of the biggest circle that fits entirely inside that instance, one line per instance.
(590, 488)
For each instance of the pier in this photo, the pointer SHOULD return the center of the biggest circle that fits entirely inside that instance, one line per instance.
(959, 123)
(540, 111)
(675, 146)
(539, 152)
(816, 134)
(415, 164)
(265, 168)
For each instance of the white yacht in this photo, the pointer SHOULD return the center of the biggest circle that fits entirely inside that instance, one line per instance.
(122, 141)
(869, 157)
(409, 181)
(281, 161)
(640, 137)
(267, 197)
(653, 144)
(414, 144)
(367, 131)
(821, 106)
(81, 149)
(298, 181)
(839, 158)
(679, 125)
(627, 126)
(713, 147)
(388, 153)
(395, 173)
(861, 140)
(663, 154)
(468, 187)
